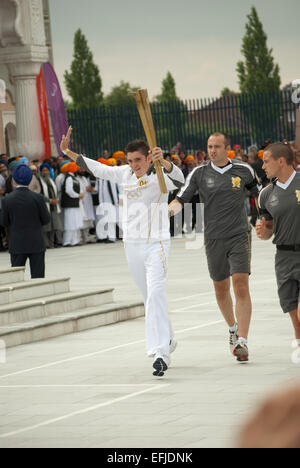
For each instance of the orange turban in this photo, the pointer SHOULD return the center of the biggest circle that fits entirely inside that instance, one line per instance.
(103, 161)
(72, 167)
(112, 162)
(261, 154)
(65, 168)
(231, 154)
(190, 157)
(119, 154)
(174, 156)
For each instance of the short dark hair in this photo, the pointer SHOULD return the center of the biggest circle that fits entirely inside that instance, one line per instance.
(138, 145)
(227, 139)
(281, 150)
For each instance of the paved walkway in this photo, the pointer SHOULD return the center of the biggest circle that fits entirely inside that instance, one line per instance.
(96, 389)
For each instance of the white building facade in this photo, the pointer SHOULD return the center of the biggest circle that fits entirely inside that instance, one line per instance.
(25, 44)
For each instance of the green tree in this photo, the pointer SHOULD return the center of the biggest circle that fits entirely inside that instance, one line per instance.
(122, 116)
(121, 95)
(83, 83)
(168, 92)
(67, 104)
(258, 73)
(227, 92)
(169, 113)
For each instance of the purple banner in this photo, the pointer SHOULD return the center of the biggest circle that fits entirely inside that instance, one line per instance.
(55, 104)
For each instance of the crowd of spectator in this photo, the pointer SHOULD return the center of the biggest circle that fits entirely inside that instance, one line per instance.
(75, 199)
(188, 162)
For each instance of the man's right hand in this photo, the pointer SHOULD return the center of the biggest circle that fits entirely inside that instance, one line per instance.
(65, 141)
(54, 201)
(264, 229)
(64, 146)
(175, 207)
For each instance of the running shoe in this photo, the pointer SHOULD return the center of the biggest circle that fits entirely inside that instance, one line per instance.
(233, 340)
(241, 352)
(161, 365)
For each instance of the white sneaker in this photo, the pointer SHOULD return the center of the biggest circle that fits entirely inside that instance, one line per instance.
(241, 351)
(233, 339)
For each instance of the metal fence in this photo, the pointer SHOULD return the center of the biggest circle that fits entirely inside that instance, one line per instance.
(248, 119)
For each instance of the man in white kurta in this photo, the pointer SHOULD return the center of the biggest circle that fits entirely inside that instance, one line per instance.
(86, 205)
(107, 210)
(73, 218)
(146, 233)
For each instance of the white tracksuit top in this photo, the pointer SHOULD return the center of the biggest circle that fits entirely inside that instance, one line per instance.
(145, 209)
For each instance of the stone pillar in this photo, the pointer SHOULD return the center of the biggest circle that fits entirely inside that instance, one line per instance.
(24, 51)
(29, 133)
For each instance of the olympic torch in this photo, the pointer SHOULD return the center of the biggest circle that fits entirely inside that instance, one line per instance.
(143, 105)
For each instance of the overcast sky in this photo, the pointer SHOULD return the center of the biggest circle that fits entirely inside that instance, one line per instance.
(198, 41)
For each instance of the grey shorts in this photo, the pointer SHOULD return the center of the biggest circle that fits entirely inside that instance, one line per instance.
(227, 257)
(287, 267)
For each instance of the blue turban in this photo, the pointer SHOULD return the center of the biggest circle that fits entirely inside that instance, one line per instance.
(4, 162)
(22, 175)
(24, 160)
(45, 165)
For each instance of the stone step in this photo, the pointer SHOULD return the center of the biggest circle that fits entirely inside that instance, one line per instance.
(12, 275)
(72, 322)
(26, 311)
(33, 289)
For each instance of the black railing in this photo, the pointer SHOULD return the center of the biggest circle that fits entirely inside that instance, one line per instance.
(248, 119)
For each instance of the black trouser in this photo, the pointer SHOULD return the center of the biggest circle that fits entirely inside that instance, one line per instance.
(192, 214)
(37, 263)
(176, 222)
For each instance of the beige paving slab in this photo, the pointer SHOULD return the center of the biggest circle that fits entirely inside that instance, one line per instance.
(96, 389)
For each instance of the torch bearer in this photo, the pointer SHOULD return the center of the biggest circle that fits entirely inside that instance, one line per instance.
(143, 105)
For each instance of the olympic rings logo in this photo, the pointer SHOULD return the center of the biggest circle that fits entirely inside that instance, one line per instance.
(134, 194)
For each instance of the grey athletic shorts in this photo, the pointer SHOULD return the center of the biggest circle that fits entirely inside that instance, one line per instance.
(226, 257)
(287, 266)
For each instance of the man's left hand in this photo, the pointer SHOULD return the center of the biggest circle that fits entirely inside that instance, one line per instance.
(157, 155)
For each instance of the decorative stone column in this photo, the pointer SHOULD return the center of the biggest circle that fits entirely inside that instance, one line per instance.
(23, 50)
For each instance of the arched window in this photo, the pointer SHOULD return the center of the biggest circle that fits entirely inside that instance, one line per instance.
(10, 139)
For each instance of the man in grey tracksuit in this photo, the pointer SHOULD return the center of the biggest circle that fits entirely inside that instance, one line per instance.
(223, 184)
(279, 205)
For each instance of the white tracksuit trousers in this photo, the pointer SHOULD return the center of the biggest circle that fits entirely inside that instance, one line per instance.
(148, 263)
